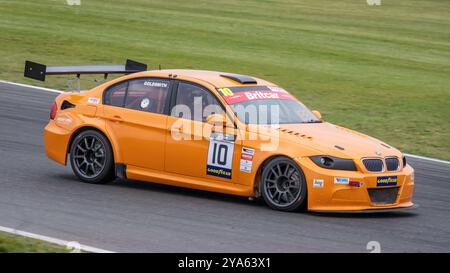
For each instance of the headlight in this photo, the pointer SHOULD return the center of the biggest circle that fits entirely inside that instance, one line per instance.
(335, 163)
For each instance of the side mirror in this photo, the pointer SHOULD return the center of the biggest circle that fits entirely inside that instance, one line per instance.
(317, 114)
(217, 120)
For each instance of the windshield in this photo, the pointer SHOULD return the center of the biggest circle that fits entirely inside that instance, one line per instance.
(266, 105)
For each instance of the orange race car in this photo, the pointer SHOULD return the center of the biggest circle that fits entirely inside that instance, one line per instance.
(219, 132)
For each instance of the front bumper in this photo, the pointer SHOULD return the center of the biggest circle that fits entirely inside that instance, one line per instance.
(333, 197)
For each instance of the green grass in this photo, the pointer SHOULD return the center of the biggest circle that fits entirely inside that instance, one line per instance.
(17, 244)
(383, 70)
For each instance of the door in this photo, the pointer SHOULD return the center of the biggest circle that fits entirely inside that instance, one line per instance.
(136, 116)
(194, 147)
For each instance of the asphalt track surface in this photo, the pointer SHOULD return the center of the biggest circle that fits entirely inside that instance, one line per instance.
(40, 196)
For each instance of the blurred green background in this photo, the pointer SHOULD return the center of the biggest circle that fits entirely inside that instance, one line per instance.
(383, 70)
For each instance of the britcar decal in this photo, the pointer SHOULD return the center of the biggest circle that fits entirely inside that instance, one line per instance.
(341, 180)
(220, 156)
(94, 100)
(234, 95)
(318, 183)
(383, 181)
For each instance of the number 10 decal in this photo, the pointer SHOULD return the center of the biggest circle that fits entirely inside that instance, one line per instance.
(220, 152)
(220, 156)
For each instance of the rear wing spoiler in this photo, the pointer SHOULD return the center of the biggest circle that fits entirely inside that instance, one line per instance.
(39, 71)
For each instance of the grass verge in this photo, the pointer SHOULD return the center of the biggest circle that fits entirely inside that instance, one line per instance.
(17, 244)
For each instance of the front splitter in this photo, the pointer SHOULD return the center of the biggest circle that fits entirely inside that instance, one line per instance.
(413, 207)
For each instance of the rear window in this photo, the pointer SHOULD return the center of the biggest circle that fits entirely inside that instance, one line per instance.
(142, 94)
(147, 95)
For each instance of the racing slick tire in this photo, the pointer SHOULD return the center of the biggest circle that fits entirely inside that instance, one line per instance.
(91, 158)
(283, 185)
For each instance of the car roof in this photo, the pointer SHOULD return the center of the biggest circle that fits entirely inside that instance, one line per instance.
(215, 78)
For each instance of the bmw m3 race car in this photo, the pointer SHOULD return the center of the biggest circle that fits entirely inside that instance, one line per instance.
(220, 132)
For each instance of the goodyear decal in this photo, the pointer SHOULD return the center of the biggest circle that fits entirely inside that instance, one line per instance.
(383, 181)
(218, 171)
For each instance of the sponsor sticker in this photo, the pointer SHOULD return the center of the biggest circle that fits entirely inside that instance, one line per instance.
(220, 156)
(144, 103)
(94, 100)
(64, 120)
(248, 151)
(246, 162)
(247, 157)
(318, 183)
(341, 180)
(383, 181)
(356, 184)
(155, 84)
(246, 166)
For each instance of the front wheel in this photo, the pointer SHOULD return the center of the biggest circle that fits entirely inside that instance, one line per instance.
(91, 158)
(283, 186)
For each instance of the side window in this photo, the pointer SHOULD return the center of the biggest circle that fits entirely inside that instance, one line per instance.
(194, 102)
(147, 94)
(115, 95)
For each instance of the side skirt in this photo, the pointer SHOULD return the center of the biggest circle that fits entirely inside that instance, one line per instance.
(136, 173)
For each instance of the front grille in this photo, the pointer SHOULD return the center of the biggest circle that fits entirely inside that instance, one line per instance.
(392, 163)
(373, 164)
(383, 196)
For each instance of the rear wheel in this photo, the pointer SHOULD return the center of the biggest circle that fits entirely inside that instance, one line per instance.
(91, 157)
(283, 186)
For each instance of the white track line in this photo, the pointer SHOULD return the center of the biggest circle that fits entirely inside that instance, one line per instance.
(56, 91)
(428, 158)
(32, 87)
(68, 244)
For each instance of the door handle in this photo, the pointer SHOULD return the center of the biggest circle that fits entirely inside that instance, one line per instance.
(117, 118)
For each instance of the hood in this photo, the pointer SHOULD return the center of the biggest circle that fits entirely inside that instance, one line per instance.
(337, 141)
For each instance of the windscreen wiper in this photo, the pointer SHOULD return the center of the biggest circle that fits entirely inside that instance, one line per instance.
(313, 121)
